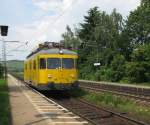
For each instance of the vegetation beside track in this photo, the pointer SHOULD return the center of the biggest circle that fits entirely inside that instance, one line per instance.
(4, 103)
(116, 103)
(138, 84)
(17, 74)
(15, 65)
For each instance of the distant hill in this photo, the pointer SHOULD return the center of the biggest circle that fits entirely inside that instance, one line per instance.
(15, 65)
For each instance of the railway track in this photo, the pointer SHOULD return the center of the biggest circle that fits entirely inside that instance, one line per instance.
(93, 114)
(97, 115)
(137, 93)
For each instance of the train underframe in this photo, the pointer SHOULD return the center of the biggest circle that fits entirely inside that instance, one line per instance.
(56, 86)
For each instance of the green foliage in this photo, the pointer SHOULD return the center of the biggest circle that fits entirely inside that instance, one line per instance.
(118, 68)
(138, 26)
(107, 99)
(15, 65)
(122, 47)
(4, 104)
(136, 71)
(117, 102)
(105, 74)
(141, 53)
(114, 72)
(1, 70)
(139, 69)
(70, 40)
(100, 33)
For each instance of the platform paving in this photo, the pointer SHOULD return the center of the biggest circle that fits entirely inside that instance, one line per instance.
(24, 111)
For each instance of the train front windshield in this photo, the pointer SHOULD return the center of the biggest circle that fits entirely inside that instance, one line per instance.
(55, 63)
(67, 63)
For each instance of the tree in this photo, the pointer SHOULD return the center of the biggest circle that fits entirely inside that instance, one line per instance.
(1, 71)
(138, 70)
(138, 25)
(118, 67)
(99, 36)
(100, 31)
(70, 40)
(87, 33)
(122, 47)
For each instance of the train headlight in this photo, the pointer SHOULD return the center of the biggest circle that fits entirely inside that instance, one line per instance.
(49, 76)
(72, 76)
(60, 51)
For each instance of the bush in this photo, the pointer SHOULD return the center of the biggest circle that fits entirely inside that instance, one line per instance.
(114, 72)
(105, 73)
(118, 68)
(1, 71)
(138, 71)
(141, 53)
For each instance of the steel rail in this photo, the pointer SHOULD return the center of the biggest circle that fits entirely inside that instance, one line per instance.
(136, 90)
(117, 114)
(117, 93)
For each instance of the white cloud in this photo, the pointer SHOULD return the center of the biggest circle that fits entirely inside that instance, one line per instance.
(53, 5)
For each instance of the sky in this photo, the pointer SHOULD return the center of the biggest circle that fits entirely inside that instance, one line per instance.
(37, 21)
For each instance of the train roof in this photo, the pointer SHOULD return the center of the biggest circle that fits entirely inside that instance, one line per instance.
(52, 51)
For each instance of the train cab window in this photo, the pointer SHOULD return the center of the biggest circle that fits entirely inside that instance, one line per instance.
(67, 63)
(53, 63)
(42, 63)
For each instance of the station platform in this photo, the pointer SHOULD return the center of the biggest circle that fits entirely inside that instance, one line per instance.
(27, 108)
(118, 84)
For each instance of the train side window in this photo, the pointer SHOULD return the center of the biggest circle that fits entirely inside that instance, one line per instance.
(30, 65)
(75, 63)
(25, 66)
(42, 63)
(34, 64)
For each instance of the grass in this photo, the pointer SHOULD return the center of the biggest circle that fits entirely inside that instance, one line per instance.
(116, 103)
(17, 74)
(138, 84)
(125, 81)
(4, 103)
(15, 65)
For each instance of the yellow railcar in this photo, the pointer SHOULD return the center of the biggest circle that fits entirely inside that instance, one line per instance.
(51, 68)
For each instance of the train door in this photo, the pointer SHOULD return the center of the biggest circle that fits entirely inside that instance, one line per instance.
(42, 73)
(54, 69)
(25, 71)
(68, 73)
(34, 71)
(30, 71)
(37, 71)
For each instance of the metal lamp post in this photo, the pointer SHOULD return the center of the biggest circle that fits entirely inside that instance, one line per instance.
(4, 32)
